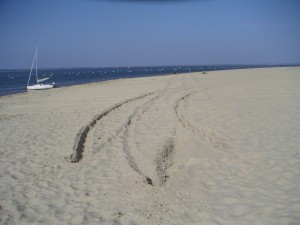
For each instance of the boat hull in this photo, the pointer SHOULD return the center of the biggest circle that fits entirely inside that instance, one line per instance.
(40, 87)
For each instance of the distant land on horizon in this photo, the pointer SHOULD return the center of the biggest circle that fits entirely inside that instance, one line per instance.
(160, 66)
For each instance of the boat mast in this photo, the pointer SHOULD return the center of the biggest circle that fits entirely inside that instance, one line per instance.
(36, 64)
(31, 68)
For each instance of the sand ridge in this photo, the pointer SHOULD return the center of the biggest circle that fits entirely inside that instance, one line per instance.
(216, 148)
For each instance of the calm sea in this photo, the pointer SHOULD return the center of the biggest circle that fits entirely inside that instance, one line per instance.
(15, 81)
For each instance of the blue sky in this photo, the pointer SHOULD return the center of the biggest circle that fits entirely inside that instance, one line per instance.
(100, 33)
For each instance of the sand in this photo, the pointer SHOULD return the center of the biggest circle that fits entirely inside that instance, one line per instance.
(216, 148)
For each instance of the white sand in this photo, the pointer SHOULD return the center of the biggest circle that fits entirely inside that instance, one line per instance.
(221, 148)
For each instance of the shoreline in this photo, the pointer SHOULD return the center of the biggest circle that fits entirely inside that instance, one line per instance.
(155, 75)
(216, 148)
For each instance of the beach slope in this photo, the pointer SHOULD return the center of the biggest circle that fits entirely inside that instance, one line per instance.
(215, 148)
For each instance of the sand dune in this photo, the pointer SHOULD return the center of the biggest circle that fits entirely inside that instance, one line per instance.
(216, 148)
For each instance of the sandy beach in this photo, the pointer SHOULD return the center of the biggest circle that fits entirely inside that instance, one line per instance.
(216, 148)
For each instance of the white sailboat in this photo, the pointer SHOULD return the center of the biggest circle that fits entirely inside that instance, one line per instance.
(39, 85)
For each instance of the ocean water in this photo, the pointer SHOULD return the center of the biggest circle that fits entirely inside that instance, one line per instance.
(15, 81)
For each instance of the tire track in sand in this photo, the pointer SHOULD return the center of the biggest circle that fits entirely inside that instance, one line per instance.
(163, 148)
(216, 139)
(82, 135)
(149, 138)
(84, 132)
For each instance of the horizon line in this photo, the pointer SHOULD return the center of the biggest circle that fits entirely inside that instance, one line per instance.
(192, 65)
